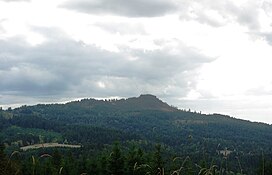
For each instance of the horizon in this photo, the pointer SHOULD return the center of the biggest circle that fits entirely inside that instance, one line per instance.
(208, 56)
(120, 98)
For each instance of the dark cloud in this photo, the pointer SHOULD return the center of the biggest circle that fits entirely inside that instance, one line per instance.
(135, 8)
(63, 68)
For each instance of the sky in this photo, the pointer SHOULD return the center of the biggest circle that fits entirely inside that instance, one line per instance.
(209, 56)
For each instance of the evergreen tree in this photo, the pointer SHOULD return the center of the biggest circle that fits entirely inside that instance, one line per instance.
(116, 161)
(56, 158)
(69, 167)
(103, 165)
(157, 160)
(3, 161)
(82, 164)
(134, 157)
(93, 168)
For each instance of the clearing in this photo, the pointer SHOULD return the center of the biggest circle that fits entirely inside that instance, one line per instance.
(48, 145)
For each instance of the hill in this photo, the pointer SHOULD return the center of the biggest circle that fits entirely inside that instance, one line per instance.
(143, 102)
(144, 120)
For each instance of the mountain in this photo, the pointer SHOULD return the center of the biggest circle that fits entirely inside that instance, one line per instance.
(143, 102)
(140, 115)
(145, 120)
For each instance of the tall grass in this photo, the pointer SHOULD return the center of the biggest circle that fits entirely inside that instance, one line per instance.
(9, 160)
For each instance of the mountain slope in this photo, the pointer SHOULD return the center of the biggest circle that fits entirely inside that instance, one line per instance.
(144, 119)
(150, 118)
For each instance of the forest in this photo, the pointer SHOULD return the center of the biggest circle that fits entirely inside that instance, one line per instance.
(139, 135)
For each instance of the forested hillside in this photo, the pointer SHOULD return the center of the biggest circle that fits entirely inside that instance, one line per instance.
(150, 134)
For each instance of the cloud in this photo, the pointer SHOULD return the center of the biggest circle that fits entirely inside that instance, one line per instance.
(63, 68)
(122, 28)
(267, 36)
(16, 0)
(2, 21)
(220, 13)
(261, 90)
(267, 7)
(2, 30)
(135, 8)
(247, 15)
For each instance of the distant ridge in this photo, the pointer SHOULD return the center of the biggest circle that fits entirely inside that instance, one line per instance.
(143, 102)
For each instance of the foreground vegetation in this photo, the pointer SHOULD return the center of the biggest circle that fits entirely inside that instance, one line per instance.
(116, 160)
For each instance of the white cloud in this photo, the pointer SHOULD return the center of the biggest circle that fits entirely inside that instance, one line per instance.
(122, 28)
(220, 13)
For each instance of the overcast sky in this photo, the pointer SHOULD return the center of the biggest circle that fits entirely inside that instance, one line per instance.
(210, 56)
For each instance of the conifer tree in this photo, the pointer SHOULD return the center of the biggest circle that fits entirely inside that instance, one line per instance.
(116, 161)
(157, 160)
